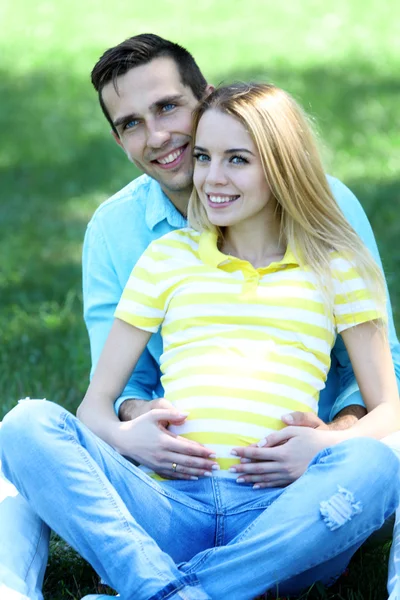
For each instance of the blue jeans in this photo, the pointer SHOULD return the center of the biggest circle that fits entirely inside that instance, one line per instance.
(24, 540)
(195, 540)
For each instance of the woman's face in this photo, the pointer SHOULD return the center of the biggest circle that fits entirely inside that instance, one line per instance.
(228, 173)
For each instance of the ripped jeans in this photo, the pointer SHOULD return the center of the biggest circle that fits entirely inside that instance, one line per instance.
(196, 540)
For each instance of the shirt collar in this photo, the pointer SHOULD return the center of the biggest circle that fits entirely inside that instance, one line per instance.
(210, 255)
(159, 207)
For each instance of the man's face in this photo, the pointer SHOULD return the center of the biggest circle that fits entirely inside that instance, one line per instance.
(152, 112)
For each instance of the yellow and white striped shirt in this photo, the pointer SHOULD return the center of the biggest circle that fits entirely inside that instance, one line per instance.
(242, 346)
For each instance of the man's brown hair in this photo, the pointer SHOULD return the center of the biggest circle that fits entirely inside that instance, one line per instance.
(140, 50)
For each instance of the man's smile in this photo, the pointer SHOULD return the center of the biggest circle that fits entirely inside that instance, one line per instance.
(172, 159)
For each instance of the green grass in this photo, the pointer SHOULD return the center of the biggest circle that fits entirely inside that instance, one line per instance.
(57, 162)
(70, 578)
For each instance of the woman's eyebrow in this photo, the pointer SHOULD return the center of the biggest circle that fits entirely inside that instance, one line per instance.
(230, 151)
(233, 150)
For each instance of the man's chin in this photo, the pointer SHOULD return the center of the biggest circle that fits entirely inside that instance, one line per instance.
(177, 182)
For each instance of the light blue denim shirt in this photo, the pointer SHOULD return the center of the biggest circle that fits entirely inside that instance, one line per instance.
(118, 234)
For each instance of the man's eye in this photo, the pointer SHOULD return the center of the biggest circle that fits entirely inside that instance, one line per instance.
(201, 157)
(168, 107)
(131, 124)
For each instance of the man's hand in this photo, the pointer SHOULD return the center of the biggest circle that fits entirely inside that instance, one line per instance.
(346, 418)
(146, 439)
(131, 409)
(283, 456)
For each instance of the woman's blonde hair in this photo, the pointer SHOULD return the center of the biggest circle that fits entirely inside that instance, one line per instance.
(311, 222)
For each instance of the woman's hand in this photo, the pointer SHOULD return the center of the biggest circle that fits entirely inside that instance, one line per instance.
(147, 440)
(283, 456)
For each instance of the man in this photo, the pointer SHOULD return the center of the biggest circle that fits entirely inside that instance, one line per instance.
(148, 88)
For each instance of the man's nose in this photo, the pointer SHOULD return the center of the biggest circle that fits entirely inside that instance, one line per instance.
(156, 137)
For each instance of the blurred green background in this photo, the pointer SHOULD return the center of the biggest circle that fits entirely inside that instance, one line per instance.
(58, 162)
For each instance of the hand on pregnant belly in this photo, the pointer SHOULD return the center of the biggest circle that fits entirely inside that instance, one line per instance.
(148, 441)
(283, 457)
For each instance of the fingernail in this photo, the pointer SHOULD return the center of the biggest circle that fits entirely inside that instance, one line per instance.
(193, 478)
(234, 453)
(207, 474)
(215, 467)
(288, 418)
(256, 486)
(183, 415)
(212, 456)
(262, 443)
(245, 460)
(232, 470)
(239, 480)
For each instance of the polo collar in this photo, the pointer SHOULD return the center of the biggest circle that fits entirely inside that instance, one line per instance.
(210, 255)
(159, 207)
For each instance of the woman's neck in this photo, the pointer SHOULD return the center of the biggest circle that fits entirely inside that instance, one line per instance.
(258, 243)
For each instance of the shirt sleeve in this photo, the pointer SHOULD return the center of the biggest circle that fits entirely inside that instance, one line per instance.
(353, 300)
(101, 294)
(142, 303)
(342, 389)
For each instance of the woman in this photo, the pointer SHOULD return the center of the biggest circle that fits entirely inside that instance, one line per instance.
(250, 300)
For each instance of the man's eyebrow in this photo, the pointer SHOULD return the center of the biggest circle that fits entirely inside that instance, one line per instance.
(125, 119)
(158, 104)
(166, 100)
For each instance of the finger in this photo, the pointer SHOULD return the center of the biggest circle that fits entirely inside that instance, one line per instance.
(180, 437)
(192, 465)
(174, 475)
(255, 468)
(255, 453)
(164, 414)
(278, 437)
(267, 480)
(280, 483)
(302, 419)
(162, 403)
(253, 479)
(185, 447)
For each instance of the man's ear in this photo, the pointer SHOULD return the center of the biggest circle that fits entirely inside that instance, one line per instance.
(117, 139)
(210, 88)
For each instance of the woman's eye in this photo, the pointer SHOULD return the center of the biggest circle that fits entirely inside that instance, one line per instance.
(238, 160)
(200, 157)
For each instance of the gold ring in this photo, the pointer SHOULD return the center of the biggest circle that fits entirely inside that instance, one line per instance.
(174, 465)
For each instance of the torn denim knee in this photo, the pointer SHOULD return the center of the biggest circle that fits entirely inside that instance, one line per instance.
(339, 509)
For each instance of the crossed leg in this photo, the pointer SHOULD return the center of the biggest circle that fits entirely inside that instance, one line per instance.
(135, 532)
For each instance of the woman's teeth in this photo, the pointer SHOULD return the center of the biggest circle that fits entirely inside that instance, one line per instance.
(221, 199)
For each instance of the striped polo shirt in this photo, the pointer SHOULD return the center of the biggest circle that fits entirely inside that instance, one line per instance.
(242, 346)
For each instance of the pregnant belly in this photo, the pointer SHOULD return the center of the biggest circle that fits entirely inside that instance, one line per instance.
(222, 429)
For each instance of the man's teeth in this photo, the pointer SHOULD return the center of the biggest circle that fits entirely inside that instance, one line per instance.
(221, 199)
(171, 157)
